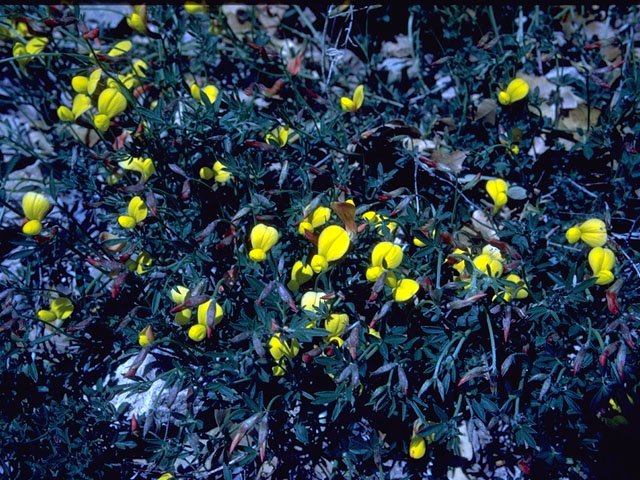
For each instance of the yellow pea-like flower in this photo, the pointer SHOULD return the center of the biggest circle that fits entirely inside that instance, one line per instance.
(194, 7)
(136, 212)
(210, 91)
(488, 265)
(120, 48)
(520, 291)
(64, 114)
(333, 243)
(218, 172)
(353, 104)
(144, 166)
(94, 79)
(137, 23)
(111, 102)
(602, 261)
(36, 45)
(318, 218)
(282, 349)
(593, 232)
(417, 447)
(300, 273)
(263, 238)
(203, 308)
(311, 301)
(385, 256)
(178, 296)
(139, 67)
(145, 337)
(497, 190)
(402, 290)
(35, 207)
(197, 332)
(278, 136)
(336, 324)
(459, 266)
(379, 221)
(80, 84)
(165, 476)
(60, 308)
(144, 260)
(516, 90)
(81, 103)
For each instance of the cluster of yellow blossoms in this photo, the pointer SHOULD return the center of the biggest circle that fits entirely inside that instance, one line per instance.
(593, 232)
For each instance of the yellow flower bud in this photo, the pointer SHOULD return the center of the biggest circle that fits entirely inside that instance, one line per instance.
(602, 261)
(197, 332)
(417, 447)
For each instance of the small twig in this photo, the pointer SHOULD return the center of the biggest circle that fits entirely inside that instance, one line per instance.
(591, 194)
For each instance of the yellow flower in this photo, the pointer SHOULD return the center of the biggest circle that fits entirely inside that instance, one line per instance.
(280, 350)
(80, 83)
(144, 260)
(35, 207)
(203, 308)
(336, 324)
(138, 19)
(120, 48)
(139, 67)
(145, 337)
(402, 290)
(278, 136)
(300, 273)
(418, 243)
(81, 103)
(263, 238)
(516, 90)
(593, 232)
(459, 266)
(144, 166)
(136, 213)
(311, 301)
(497, 190)
(319, 217)
(218, 172)
(36, 45)
(210, 91)
(19, 50)
(179, 296)
(602, 261)
(488, 264)
(195, 7)
(333, 243)
(165, 476)
(417, 447)
(94, 79)
(110, 103)
(385, 256)
(59, 309)
(353, 104)
(197, 332)
(520, 291)
(378, 221)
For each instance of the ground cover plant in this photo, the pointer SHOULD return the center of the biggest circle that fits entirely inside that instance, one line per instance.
(343, 241)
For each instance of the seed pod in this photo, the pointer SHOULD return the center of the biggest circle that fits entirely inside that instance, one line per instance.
(401, 206)
(148, 423)
(263, 433)
(265, 291)
(151, 202)
(608, 350)
(176, 169)
(138, 187)
(245, 426)
(283, 173)
(506, 364)
(257, 346)
(545, 388)
(626, 334)
(191, 302)
(134, 424)
(355, 376)
(137, 362)
(506, 324)
(286, 297)
(473, 373)
(577, 362)
(384, 368)
(117, 284)
(239, 337)
(186, 190)
(344, 374)
(621, 357)
(381, 313)
(208, 230)
(352, 341)
(402, 380)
